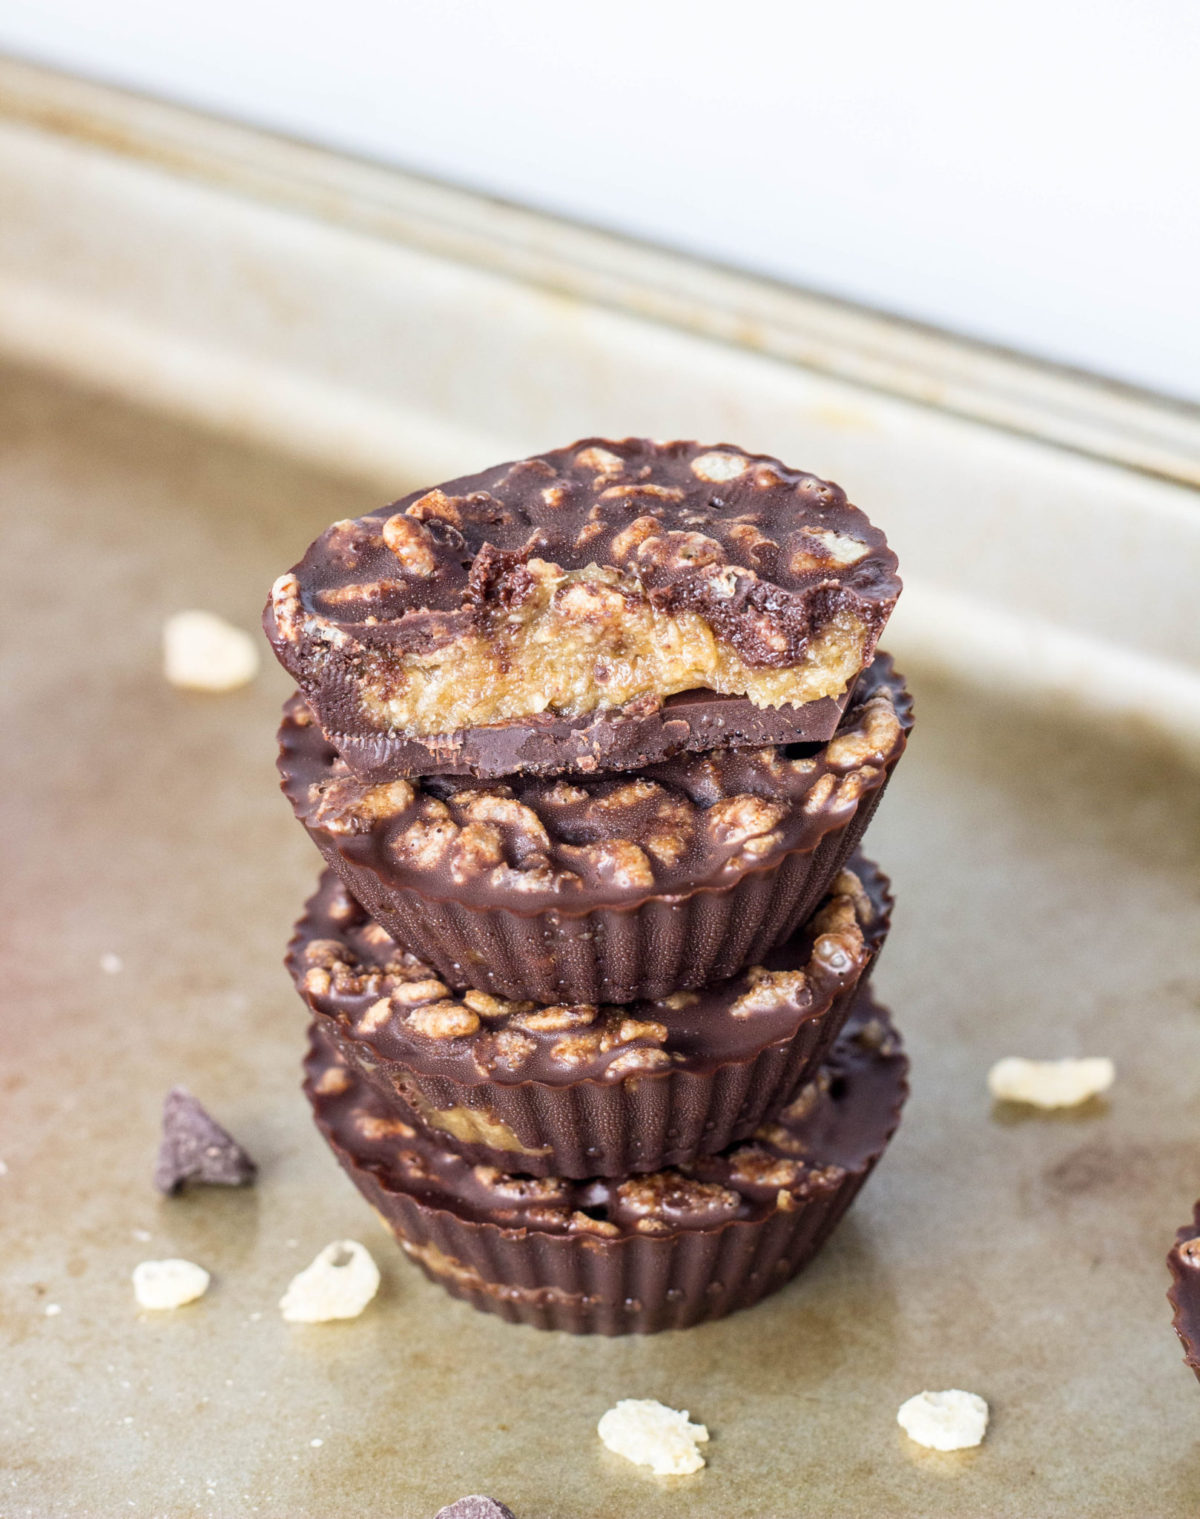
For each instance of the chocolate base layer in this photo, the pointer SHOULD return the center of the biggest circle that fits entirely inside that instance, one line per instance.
(544, 744)
(582, 1091)
(637, 1255)
(543, 890)
(1184, 1296)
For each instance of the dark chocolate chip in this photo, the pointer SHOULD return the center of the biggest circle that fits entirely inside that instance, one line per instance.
(196, 1148)
(475, 1507)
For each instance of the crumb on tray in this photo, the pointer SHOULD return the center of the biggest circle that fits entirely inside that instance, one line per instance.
(648, 1433)
(169, 1283)
(950, 1420)
(1050, 1083)
(339, 1284)
(203, 652)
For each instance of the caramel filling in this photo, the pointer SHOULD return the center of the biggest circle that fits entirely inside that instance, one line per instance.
(469, 1126)
(447, 1268)
(584, 640)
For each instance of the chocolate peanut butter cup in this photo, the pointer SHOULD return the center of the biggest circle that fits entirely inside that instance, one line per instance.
(606, 888)
(1184, 1296)
(635, 1254)
(584, 1090)
(599, 607)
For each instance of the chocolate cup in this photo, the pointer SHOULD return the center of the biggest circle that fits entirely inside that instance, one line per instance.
(1183, 1262)
(729, 1072)
(598, 952)
(611, 954)
(639, 1283)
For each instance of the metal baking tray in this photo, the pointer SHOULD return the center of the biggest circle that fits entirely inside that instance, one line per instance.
(1046, 876)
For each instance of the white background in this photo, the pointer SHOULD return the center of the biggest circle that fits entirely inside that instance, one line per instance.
(1023, 172)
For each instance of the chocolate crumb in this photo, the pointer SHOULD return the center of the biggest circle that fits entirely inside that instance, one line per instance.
(196, 1148)
(475, 1507)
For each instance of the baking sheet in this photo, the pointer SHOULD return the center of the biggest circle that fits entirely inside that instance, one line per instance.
(1048, 904)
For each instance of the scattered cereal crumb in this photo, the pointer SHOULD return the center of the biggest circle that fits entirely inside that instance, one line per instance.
(195, 1147)
(203, 652)
(339, 1284)
(169, 1284)
(110, 963)
(951, 1420)
(3, 1169)
(476, 1506)
(316, 1443)
(52, 1310)
(648, 1433)
(1050, 1083)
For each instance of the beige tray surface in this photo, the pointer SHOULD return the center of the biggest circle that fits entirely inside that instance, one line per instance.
(1048, 905)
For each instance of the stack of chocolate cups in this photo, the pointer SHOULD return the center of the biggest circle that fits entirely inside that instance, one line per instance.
(588, 970)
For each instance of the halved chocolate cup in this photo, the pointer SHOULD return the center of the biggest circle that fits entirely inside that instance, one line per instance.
(583, 1090)
(541, 615)
(631, 1255)
(610, 888)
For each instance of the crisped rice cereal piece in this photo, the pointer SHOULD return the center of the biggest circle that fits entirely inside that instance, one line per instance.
(339, 1284)
(1050, 1083)
(648, 1433)
(203, 652)
(950, 1420)
(169, 1283)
